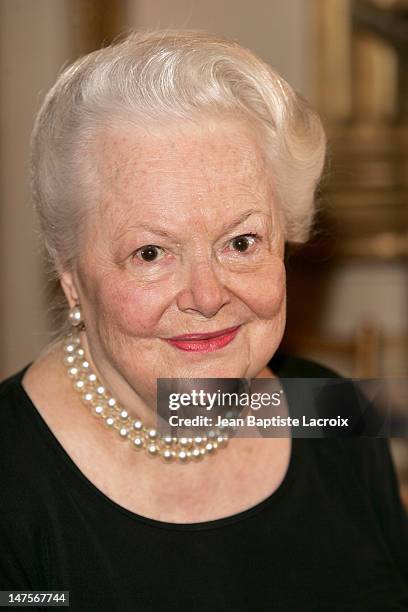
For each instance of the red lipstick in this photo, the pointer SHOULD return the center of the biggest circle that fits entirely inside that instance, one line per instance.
(204, 342)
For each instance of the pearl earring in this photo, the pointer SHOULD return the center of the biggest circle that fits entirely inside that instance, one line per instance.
(75, 317)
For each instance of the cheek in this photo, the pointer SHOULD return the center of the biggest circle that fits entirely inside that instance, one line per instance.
(264, 291)
(131, 309)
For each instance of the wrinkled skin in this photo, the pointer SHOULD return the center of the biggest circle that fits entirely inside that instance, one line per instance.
(190, 183)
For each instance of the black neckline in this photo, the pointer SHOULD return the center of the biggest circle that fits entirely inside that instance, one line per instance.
(75, 471)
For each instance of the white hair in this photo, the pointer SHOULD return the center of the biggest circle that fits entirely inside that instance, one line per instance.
(151, 78)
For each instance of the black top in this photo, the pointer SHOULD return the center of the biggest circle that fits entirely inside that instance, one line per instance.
(332, 537)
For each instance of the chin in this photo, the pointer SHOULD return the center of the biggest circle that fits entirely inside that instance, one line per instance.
(209, 368)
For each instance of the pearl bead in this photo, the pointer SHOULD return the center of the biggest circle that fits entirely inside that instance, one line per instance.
(168, 440)
(85, 365)
(88, 397)
(80, 352)
(196, 454)
(138, 425)
(152, 434)
(98, 410)
(73, 372)
(75, 316)
(69, 348)
(153, 450)
(168, 455)
(111, 402)
(138, 443)
(110, 422)
(123, 414)
(91, 377)
(209, 447)
(123, 433)
(100, 390)
(69, 360)
(79, 385)
(183, 456)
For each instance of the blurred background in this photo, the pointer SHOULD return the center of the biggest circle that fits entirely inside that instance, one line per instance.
(348, 288)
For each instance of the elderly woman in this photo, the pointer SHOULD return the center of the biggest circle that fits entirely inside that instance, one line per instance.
(169, 170)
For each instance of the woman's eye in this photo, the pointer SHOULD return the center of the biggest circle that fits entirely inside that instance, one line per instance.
(244, 242)
(149, 253)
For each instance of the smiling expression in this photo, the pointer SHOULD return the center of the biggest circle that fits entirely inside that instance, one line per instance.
(185, 239)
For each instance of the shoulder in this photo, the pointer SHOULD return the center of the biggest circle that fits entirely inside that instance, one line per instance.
(20, 463)
(23, 498)
(285, 365)
(7, 384)
(13, 412)
(12, 399)
(371, 460)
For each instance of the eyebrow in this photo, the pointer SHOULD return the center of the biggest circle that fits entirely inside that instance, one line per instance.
(245, 215)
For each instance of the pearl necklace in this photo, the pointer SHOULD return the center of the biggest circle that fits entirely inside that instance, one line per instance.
(104, 406)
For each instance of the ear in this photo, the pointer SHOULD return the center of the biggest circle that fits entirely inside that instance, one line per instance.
(69, 287)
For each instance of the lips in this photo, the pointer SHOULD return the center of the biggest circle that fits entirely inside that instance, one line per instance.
(204, 342)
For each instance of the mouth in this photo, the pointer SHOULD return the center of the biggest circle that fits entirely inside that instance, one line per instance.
(204, 342)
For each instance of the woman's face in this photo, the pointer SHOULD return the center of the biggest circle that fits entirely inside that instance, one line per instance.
(185, 239)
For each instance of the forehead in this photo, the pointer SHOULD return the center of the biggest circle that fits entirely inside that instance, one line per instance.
(173, 170)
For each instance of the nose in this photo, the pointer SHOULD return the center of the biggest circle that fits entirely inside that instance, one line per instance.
(203, 291)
